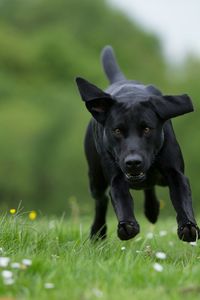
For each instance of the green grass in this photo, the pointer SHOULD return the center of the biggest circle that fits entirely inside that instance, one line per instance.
(80, 270)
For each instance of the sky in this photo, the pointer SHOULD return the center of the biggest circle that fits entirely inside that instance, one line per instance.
(175, 22)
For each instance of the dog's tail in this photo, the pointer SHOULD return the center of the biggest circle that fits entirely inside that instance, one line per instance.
(110, 65)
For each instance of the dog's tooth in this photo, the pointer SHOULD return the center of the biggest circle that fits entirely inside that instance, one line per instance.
(141, 174)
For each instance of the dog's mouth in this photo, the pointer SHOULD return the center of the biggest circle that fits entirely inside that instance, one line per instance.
(134, 178)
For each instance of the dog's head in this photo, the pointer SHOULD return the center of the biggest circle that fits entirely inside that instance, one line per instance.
(132, 117)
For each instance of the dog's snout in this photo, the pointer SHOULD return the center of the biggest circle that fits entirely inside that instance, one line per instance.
(133, 161)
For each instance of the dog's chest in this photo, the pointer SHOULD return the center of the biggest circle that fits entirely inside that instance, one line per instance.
(154, 177)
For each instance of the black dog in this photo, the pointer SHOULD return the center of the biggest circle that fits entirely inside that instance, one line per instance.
(130, 143)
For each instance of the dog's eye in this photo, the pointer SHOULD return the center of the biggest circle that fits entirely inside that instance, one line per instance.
(117, 132)
(146, 130)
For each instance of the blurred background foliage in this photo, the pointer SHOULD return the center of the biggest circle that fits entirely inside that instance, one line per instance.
(44, 45)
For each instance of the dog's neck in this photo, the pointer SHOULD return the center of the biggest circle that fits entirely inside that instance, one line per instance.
(161, 144)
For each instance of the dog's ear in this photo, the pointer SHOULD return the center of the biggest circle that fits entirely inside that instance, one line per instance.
(97, 101)
(168, 107)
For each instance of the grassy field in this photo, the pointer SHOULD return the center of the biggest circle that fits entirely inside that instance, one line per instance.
(61, 263)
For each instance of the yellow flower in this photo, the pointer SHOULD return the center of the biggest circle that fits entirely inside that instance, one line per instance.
(32, 215)
(12, 211)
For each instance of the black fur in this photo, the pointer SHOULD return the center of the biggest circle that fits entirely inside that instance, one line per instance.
(130, 143)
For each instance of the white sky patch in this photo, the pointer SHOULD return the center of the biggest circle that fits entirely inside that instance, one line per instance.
(175, 22)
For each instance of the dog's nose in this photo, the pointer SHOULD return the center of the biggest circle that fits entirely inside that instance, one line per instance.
(133, 161)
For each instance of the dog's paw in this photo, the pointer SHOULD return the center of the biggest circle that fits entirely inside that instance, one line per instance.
(98, 232)
(189, 232)
(127, 230)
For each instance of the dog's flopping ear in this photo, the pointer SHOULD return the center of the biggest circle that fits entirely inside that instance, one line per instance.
(97, 101)
(168, 107)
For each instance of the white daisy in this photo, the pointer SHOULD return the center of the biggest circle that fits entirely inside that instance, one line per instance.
(15, 265)
(97, 292)
(6, 274)
(49, 285)
(162, 233)
(149, 235)
(8, 281)
(27, 262)
(4, 261)
(157, 267)
(138, 251)
(161, 255)
(193, 243)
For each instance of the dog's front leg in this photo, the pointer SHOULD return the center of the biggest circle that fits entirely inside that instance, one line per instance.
(123, 206)
(180, 194)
